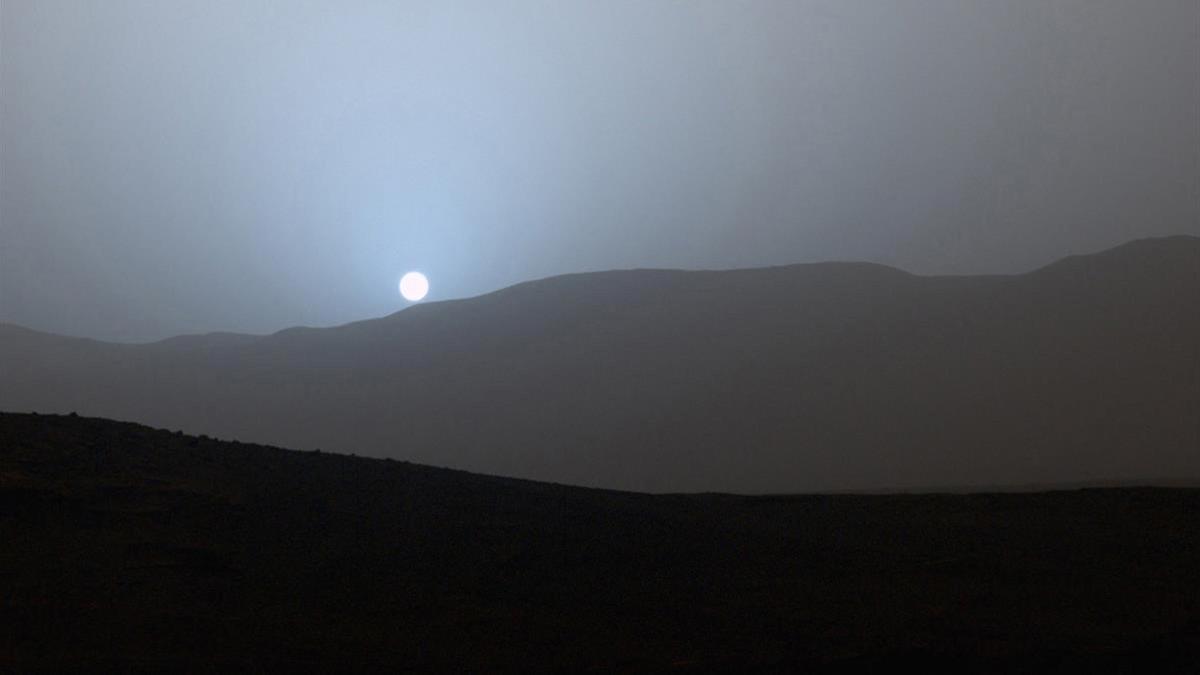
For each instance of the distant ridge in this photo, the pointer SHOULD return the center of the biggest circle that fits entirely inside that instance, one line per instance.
(820, 377)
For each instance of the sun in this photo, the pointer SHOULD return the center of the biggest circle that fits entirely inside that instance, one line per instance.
(414, 286)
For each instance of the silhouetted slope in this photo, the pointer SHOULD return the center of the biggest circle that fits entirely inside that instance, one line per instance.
(129, 549)
(800, 378)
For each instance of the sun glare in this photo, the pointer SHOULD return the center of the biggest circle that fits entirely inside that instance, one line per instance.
(414, 286)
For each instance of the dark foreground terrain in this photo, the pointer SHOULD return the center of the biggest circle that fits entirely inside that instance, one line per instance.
(131, 549)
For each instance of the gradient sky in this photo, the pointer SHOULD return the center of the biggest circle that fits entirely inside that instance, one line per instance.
(189, 166)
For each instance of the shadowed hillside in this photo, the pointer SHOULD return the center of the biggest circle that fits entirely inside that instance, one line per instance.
(133, 549)
(839, 376)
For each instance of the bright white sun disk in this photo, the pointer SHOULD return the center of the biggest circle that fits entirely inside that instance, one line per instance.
(414, 286)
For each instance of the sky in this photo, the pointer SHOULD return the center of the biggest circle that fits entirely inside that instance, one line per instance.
(187, 166)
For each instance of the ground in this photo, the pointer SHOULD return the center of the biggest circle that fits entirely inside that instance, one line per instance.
(133, 549)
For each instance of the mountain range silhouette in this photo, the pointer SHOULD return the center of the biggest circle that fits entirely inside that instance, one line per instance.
(803, 378)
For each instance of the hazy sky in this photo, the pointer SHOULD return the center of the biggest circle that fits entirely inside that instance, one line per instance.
(186, 166)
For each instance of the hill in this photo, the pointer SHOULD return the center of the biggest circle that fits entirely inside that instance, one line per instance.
(836, 376)
(132, 549)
